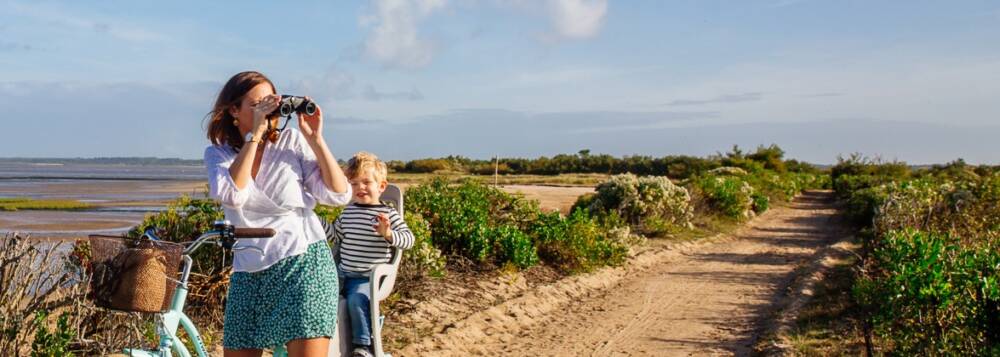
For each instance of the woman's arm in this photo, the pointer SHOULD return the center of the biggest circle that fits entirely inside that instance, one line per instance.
(242, 167)
(221, 185)
(311, 127)
(333, 176)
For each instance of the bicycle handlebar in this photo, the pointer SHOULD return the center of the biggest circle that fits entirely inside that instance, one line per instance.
(253, 232)
(225, 235)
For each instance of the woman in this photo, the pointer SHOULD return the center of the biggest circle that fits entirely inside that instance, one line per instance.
(283, 289)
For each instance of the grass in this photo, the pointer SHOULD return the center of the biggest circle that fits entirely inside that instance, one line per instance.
(827, 325)
(553, 180)
(14, 204)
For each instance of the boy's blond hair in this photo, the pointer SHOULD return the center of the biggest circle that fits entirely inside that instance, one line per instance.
(366, 161)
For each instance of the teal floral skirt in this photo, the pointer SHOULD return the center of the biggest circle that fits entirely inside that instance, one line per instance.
(292, 299)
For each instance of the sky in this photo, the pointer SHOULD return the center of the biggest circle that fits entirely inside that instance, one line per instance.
(906, 80)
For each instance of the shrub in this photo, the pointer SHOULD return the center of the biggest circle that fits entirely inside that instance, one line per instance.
(771, 157)
(728, 195)
(429, 165)
(931, 262)
(861, 206)
(858, 165)
(933, 295)
(642, 199)
(459, 215)
(184, 220)
(579, 243)
(328, 213)
(761, 202)
(774, 186)
(489, 226)
(35, 277)
(513, 247)
(845, 185)
(467, 218)
(423, 257)
(727, 171)
(52, 343)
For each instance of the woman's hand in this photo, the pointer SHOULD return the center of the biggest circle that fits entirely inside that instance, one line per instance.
(311, 126)
(261, 111)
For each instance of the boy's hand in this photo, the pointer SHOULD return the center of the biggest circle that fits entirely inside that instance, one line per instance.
(382, 228)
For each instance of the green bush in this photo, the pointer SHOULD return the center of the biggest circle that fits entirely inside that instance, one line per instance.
(862, 205)
(772, 157)
(487, 225)
(328, 213)
(460, 215)
(514, 247)
(468, 218)
(845, 185)
(52, 343)
(931, 256)
(641, 200)
(933, 295)
(423, 257)
(579, 243)
(728, 171)
(429, 165)
(761, 202)
(858, 165)
(184, 220)
(730, 196)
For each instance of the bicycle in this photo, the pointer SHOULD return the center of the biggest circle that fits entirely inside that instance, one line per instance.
(224, 235)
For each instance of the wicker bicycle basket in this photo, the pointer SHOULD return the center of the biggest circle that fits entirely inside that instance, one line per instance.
(133, 275)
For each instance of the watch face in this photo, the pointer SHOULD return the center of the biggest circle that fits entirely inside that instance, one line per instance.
(248, 137)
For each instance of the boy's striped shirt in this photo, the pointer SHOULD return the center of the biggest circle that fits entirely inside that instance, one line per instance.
(361, 247)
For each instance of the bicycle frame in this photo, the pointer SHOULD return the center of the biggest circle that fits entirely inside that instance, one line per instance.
(168, 322)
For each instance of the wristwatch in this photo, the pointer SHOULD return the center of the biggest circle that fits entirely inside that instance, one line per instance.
(248, 137)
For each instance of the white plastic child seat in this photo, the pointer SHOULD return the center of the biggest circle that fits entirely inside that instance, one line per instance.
(383, 278)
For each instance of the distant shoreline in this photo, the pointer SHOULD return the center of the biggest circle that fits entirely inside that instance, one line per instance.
(97, 178)
(131, 161)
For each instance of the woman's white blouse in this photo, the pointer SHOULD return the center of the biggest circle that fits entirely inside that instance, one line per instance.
(288, 186)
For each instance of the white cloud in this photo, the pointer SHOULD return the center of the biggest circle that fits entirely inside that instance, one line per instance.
(394, 40)
(577, 19)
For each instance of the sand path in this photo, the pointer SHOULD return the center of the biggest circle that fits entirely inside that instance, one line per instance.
(708, 298)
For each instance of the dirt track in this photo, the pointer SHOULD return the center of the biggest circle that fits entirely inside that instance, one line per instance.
(709, 298)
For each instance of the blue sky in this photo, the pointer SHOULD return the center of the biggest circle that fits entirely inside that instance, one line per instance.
(909, 80)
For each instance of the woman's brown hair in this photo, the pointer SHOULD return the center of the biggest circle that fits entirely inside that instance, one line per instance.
(221, 130)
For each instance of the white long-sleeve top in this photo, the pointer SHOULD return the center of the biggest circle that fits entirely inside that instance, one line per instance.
(288, 186)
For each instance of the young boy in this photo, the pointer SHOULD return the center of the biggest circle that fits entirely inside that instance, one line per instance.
(366, 230)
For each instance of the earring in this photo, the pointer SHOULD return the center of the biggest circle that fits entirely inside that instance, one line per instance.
(236, 122)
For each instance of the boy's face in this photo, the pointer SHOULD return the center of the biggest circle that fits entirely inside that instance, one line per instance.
(366, 188)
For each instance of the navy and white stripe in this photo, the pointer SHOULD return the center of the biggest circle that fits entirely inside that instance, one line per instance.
(360, 247)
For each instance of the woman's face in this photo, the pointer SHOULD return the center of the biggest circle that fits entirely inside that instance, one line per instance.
(245, 110)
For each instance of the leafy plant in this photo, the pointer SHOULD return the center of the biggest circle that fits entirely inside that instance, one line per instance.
(514, 247)
(52, 343)
(729, 195)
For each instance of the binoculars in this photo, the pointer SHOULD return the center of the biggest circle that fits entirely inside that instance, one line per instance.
(294, 104)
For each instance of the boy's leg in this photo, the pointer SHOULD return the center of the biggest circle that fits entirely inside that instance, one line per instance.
(358, 307)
